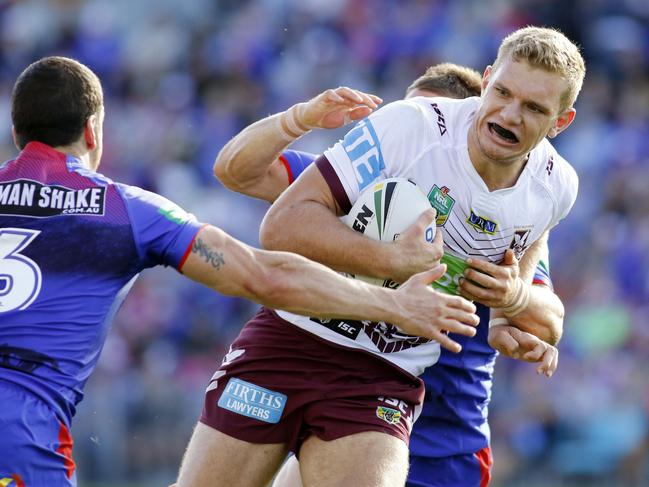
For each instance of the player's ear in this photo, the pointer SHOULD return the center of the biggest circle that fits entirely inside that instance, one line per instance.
(485, 77)
(90, 132)
(562, 122)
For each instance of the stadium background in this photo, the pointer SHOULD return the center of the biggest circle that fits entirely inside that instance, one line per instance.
(182, 77)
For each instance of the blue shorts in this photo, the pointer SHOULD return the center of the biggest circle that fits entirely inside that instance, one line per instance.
(456, 471)
(35, 446)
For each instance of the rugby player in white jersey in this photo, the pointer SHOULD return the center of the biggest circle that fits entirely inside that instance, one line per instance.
(514, 188)
(258, 163)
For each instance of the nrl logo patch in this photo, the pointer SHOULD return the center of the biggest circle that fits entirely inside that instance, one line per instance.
(389, 415)
(481, 223)
(442, 202)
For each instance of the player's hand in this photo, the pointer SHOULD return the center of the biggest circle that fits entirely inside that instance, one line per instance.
(412, 253)
(493, 285)
(335, 108)
(427, 313)
(520, 345)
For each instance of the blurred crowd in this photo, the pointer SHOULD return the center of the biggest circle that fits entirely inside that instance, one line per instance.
(182, 77)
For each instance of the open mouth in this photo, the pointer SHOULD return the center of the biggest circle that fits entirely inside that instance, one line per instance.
(503, 133)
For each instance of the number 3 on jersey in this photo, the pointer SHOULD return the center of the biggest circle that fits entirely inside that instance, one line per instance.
(20, 277)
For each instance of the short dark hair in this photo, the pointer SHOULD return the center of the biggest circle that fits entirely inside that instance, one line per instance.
(449, 80)
(52, 100)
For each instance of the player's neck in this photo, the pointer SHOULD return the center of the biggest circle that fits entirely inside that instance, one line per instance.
(75, 150)
(499, 175)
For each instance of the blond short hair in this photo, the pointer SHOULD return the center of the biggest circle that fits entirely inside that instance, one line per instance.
(548, 49)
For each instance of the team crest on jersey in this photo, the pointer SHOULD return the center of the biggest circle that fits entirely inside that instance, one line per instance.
(442, 202)
(481, 223)
(519, 242)
(389, 415)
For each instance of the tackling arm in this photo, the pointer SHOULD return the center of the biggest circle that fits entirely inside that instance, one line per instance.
(286, 281)
(526, 319)
(507, 289)
(543, 315)
(249, 163)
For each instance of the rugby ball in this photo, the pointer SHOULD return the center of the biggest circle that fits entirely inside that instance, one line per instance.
(384, 210)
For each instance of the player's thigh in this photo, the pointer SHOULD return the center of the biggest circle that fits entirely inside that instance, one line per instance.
(35, 446)
(369, 459)
(289, 474)
(215, 459)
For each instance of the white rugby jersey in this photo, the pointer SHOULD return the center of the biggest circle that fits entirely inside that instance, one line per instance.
(425, 140)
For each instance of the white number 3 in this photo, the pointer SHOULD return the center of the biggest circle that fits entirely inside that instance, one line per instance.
(20, 276)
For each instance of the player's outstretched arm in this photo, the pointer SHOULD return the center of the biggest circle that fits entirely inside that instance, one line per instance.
(305, 220)
(535, 309)
(287, 281)
(249, 163)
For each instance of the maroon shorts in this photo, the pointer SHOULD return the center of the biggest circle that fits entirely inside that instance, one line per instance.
(280, 384)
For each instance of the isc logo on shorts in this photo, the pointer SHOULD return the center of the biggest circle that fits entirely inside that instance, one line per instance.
(250, 400)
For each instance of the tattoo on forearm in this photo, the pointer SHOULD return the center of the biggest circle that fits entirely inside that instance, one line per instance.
(215, 259)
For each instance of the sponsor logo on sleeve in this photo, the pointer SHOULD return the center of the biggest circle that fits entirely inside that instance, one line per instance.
(174, 214)
(442, 202)
(364, 151)
(253, 401)
(25, 197)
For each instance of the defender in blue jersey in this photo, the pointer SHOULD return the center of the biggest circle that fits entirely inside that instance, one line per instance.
(71, 244)
(449, 443)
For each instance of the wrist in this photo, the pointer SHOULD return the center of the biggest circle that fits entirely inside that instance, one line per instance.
(498, 322)
(520, 301)
(394, 308)
(290, 125)
(386, 262)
